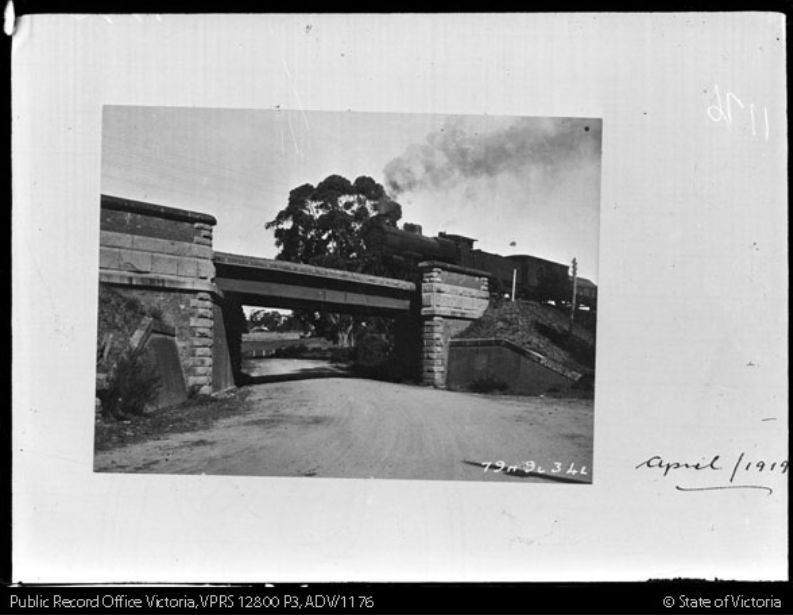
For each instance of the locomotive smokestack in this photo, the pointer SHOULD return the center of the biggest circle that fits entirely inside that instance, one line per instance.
(389, 209)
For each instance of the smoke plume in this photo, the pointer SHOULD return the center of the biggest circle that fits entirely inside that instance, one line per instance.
(458, 153)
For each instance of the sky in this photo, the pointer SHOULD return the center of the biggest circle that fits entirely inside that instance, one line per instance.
(518, 185)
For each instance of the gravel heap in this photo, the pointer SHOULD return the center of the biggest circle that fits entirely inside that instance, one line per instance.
(520, 322)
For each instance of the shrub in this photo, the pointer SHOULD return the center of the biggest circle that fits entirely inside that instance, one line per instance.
(134, 384)
(392, 369)
(131, 304)
(155, 311)
(342, 355)
(118, 318)
(487, 384)
(402, 368)
(371, 372)
(371, 349)
(291, 352)
(374, 358)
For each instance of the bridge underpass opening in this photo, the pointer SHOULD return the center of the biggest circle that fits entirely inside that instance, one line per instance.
(308, 345)
(370, 306)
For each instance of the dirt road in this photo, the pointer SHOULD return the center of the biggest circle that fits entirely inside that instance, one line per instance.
(346, 427)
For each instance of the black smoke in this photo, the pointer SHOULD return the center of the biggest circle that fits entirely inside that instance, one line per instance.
(457, 153)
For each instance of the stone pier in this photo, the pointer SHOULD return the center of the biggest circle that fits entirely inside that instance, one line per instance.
(451, 298)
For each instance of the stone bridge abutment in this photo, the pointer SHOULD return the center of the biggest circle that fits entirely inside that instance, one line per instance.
(162, 257)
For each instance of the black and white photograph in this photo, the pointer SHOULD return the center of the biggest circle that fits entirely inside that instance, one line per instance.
(347, 295)
(392, 297)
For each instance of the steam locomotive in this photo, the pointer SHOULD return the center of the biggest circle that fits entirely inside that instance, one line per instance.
(535, 277)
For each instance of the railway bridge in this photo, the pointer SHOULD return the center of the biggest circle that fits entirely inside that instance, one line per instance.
(164, 258)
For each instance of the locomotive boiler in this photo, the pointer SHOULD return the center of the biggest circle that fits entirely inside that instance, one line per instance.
(535, 277)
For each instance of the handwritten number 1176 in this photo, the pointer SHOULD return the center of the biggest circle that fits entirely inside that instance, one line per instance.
(722, 111)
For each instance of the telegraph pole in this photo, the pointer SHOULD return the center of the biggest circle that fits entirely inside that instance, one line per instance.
(575, 289)
(514, 279)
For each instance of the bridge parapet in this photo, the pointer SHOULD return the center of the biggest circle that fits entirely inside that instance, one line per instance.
(150, 245)
(452, 297)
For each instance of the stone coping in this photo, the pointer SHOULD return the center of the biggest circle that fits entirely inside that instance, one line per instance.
(454, 268)
(440, 288)
(452, 312)
(160, 281)
(529, 354)
(269, 264)
(116, 203)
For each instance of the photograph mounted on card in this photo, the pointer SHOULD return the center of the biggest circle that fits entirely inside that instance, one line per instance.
(502, 296)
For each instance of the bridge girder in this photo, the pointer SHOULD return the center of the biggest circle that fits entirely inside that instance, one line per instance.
(270, 283)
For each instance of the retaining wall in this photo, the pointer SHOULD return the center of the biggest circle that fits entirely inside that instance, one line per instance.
(523, 371)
